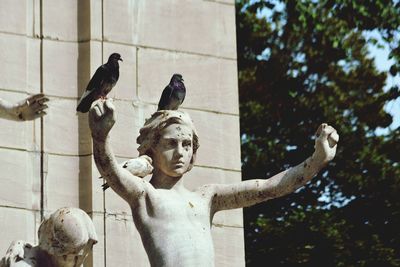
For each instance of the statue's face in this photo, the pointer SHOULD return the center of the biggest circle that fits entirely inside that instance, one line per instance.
(174, 151)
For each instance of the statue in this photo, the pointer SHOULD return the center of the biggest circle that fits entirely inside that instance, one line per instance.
(175, 223)
(65, 239)
(28, 109)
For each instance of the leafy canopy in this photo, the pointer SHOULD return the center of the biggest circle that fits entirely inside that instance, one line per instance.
(302, 63)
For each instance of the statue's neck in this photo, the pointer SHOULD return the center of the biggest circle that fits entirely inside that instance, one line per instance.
(161, 180)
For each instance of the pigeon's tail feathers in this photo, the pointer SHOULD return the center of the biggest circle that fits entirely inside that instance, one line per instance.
(85, 103)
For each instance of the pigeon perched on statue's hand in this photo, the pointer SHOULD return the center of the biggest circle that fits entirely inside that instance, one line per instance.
(173, 95)
(104, 79)
(140, 167)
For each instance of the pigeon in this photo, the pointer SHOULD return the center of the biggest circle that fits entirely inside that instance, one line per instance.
(102, 82)
(139, 167)
(173, 95)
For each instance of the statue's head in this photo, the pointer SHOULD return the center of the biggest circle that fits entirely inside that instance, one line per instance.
(67, 233)
(170, 139)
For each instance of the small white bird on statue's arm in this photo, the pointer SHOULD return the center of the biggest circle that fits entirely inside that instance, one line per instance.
(140, 167)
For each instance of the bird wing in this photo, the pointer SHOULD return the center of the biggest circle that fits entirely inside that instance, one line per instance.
(165, 97)
(184, 96)
(97, 80)
(95, 84)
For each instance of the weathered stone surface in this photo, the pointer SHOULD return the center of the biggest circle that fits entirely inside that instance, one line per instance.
(123, 135)
(98, 255)
(229, 246)
(33, 66)
(120, 229)
(13, 19)
(127, 16)
(13, 67)
(211, 31)
(22, 223)
(60, 68)
(220, 137)
(211, 83)
(72, 24)
(65, 130)
(21, 175)
(68, 171)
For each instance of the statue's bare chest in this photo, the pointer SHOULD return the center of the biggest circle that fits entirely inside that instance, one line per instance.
(189, 209)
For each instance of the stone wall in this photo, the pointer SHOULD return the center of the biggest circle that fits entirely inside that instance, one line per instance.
(54, 46)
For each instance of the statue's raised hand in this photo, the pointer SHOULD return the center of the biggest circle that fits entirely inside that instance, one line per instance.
(101, 118)
(31, 108)
(325, 144)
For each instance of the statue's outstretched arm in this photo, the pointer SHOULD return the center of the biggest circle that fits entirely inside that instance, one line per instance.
(30, 108)
(251, 192)
(123, 182)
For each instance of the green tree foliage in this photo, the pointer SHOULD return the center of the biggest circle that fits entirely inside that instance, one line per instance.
(302, 63)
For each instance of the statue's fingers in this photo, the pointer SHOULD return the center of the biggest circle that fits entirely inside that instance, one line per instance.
(324, 130)
(333, 139)
(108, 105)
(35, 105)
(320, 129)
(36, 97)
(42, 100)
(96, 111)
(42, 107)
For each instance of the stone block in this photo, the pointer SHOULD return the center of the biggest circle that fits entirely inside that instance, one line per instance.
(16, 224)
(33, 66)
(199, 27)
(122, 27)
(126, 129)
(126, 86)
(211, 83)
(124, 246)
(14, 62)
(66, 19)
(64, 181)
(13, 16)
(66, 131)
(97, 257)
(229, 246)
(96, 19)
(97, 194)
(62, 68)
(219, 137)
(20, 178)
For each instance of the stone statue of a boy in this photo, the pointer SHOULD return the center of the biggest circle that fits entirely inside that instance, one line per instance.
(174, 223)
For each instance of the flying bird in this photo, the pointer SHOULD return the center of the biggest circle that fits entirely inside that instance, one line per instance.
(173, 95)
(104, 79)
